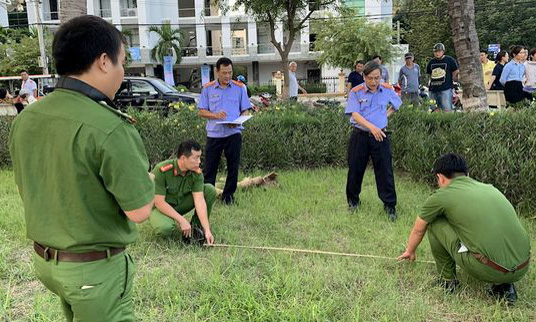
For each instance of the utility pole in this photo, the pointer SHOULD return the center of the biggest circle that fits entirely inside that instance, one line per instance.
(43, 56)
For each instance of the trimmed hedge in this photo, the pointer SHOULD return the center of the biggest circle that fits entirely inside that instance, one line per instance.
(500, 148)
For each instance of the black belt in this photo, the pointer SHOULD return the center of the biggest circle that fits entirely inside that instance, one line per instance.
(363, 132)
(48, 253)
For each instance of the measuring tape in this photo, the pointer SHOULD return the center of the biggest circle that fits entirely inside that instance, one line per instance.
(310, 251)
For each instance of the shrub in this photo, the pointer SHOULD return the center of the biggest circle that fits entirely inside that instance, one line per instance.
(499, 148)
(259, 89)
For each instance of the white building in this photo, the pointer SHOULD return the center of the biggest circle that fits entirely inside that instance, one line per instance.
(210, 35)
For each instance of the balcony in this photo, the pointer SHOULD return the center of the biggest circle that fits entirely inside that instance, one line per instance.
(51, 15)
(239, 51)
(189, 51)
(105, 13)
(266, 48)
(214, 51)
(129, 12)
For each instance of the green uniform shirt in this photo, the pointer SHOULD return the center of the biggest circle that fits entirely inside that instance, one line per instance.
(169, 182)
(78, 165)
(483, 218)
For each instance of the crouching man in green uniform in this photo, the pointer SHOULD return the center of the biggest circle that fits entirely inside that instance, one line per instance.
(81, 170)
(179, 188)
(474, 226)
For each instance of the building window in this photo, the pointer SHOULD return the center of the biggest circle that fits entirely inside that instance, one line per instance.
(129, 8)
(186, 8)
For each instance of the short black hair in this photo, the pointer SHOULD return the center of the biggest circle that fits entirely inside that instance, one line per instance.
(371, 66)
(451, 165)
(83, 39)
(376, 56)
(362, 62)
(223, 61)
(516, 50)
(3, 93)
(186, 148)
(483, 51)
(24, 71)
(532, 52)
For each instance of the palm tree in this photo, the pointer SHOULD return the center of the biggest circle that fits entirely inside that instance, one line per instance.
(462, 14)
(168, 44)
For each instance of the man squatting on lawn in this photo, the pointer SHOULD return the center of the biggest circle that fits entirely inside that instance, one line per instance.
(474, 226)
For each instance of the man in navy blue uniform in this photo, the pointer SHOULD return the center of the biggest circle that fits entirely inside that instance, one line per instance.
(369, 106)
(223, 100)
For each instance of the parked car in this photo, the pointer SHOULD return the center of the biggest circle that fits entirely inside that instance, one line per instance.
(150, 92)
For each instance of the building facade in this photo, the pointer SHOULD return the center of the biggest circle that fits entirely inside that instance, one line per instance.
(210, 34)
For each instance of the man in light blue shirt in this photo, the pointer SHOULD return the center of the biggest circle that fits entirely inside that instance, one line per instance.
(293, 84)
(369, 106)
(223, 100)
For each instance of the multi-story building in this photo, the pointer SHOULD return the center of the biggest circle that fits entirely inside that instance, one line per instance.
(209, 34)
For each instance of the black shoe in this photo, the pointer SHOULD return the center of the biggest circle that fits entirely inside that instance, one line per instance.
(505, 291)
(448, 285)
(228, 200)
(391, 212)
(353, 207)
(197, 237)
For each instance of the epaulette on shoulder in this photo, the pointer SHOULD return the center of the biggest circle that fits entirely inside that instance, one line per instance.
(387, 85)
(166, 167)
(117, 112)
(209, 84)
(239, 83)
(358, 88)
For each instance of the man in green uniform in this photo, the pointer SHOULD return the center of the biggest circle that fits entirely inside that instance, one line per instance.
(81, 171)
(474, 226)
(179, 188)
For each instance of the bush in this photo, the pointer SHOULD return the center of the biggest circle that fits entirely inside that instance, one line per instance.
(259, 89)
(499, 148)
(312, 88)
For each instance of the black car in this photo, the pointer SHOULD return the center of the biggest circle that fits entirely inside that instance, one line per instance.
(150, 92)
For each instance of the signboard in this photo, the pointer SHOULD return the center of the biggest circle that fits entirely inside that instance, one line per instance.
(168, 70)
(494, 48)
(205, 74)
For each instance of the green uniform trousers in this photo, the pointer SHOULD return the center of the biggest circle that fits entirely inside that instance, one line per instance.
(91, 291)
(445, 245)
(164, 226)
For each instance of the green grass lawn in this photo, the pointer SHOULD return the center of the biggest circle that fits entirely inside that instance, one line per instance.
(307, 210)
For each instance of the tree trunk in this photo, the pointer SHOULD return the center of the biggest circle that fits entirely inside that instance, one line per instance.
(72, 8)
(462, 14)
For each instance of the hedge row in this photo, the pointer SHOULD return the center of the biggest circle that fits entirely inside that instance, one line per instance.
(500, 148)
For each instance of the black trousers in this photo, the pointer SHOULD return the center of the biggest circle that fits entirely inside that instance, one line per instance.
(361, 147)
(231, 146)
(514, 93)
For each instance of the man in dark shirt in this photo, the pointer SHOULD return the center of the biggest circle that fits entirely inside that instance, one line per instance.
(443, 70)
(356, 77)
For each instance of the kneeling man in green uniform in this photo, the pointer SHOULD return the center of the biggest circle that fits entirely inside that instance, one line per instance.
(474, 226)
(179, 188)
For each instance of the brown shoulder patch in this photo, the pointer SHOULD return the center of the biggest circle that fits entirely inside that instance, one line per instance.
(358, 88)
(387, 85)
(166, 167)
(209, 84)
(239, 83)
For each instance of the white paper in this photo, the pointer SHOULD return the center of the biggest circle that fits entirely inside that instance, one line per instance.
(239, 121)
(463, 249)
